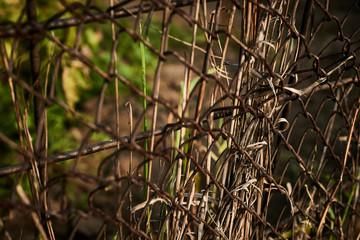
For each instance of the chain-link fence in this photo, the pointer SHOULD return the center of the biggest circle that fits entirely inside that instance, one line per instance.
(188, 119)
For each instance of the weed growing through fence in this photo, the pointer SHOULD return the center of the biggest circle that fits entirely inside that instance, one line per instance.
(146, 189)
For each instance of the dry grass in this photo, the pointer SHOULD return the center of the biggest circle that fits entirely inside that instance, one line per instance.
(261, 143)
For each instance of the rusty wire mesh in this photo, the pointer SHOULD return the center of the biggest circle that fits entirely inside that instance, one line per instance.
(253, 107)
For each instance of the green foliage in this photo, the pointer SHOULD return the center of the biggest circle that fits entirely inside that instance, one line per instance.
(6, 10)
(24, 183)
(99, 136)
(58, 121)
(8, 123)
(184, 32)
(76, 83)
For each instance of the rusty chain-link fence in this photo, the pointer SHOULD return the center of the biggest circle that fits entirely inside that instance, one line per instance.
(188, 119)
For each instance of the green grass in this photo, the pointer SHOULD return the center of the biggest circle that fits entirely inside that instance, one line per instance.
(143, 81)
